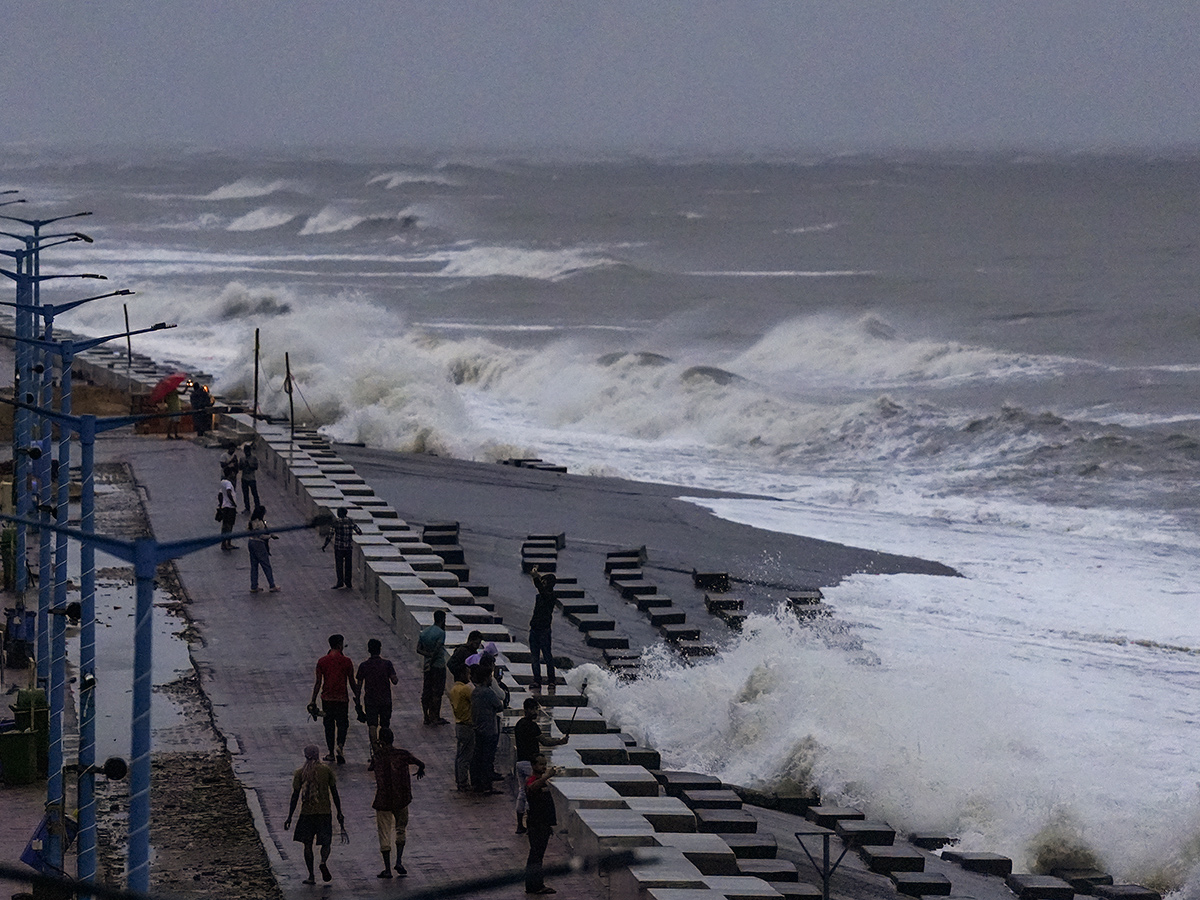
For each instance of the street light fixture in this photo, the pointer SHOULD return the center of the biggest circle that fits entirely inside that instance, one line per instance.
(67, 350)
(146, 554)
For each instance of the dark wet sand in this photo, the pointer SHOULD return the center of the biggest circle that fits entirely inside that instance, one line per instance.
(498, 506)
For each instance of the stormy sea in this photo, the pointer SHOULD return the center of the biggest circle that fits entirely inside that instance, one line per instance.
(986, 360)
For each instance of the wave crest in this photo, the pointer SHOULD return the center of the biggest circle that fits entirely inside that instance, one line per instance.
(245, 188)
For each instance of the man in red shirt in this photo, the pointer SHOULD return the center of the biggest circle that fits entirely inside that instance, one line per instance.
(335, 680)
(393, 794)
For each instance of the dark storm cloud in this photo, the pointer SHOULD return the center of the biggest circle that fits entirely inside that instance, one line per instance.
(673, 74)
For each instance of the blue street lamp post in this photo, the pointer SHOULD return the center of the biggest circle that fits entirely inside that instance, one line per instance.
(26, 286)
(146, 554)
(24, 328)
(66, 350)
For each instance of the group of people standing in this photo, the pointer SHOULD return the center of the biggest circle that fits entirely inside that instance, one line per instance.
(259, 544)
(477, 697)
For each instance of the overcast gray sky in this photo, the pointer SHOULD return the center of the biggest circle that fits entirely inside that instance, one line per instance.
(605, 74)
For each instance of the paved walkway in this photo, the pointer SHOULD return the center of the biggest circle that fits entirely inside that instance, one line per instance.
(256, 665)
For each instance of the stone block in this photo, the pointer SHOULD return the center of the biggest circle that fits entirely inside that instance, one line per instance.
(712, 799)
(451, 554)
(1039, 887)
(743, 887)
(439, 579)
(921, 884)
(829, 816)
(1126, 892)
(798, 890)
(578, 607)
(627, 780)
(684, 894)
(589, 622)
(605, 640)
(456, 596)
(930, 840)
(424, 562)
(666, 615)
(861, 831)
(983, 863)
(694, 649)
(707, 852)
(619, 574)
(605, 749)
(886, 860)
(751, 846)
(592, 831)
(771, 870)
(578, 719)
(647, 602)
(633, 589)
(559, 539)
(573, 793)
(726, 821)
(675, 782)
(644, 757)
(670, 869)
(666, 814)
(1084, 881)
(677, 632)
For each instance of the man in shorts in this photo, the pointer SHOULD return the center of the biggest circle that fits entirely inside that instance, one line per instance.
(376, 676)
(393, 794)
(335, 680)
(313, 786)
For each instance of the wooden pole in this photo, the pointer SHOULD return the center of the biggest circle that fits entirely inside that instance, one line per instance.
(128, 358)
(254, 411)
(287, 386)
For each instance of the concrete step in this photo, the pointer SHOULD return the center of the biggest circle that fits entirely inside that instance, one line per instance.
(1039, 887)
(885, 860)
(983, 863)
(921, 884)
(726, 821)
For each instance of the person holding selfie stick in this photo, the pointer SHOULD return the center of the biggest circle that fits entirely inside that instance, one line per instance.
(542, 820)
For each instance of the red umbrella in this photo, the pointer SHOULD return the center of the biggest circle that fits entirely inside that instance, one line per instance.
(167, 385)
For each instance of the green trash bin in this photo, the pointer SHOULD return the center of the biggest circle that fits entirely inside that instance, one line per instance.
(18, 757)
(32, 714)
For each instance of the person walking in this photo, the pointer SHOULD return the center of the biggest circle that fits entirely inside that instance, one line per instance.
(539, 628)
(464, 730)
(226, 511)
(487, 700)
(342, 533)
(431, 645)
(376, 675)
(335, 680)
(529, 740)
(260, 549)
(249, 469)
(393, 794)
(542, 819)
(314, 785)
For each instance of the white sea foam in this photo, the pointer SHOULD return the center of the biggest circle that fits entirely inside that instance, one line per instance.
(261, 219)
(785, 273)
(245, 188)
(392, 180)
(485, 261)
(990, 692)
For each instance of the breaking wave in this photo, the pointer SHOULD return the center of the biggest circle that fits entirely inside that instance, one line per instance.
(245, 188)
(261, 219)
